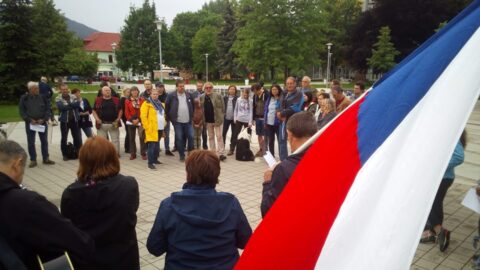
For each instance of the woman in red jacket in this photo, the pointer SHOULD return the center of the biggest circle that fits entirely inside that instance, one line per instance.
(132, 114)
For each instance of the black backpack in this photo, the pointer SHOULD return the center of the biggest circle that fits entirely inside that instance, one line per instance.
(243, 152)
(71, 152)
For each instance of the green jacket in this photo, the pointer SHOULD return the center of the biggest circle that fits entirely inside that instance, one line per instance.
(218, 107)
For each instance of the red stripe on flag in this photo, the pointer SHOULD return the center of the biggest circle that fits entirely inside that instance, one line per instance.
(294, 231)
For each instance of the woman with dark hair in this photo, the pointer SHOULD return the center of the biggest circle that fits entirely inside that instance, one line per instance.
(104, 203)
(434, 230)
(198, 227)
(272, 123)
(309, 105)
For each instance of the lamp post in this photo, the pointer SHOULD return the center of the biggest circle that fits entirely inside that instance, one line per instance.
(114, 46)
(159, 28)
(329, 46)
(206, 64)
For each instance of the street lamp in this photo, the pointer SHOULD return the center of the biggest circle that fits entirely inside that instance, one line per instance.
(329, 46)
(206, 64)
(114, 46)
(159, 24)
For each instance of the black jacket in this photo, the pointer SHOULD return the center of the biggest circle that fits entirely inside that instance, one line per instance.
(171, 106)
(32, 225)
(107, 212)
(281, 175)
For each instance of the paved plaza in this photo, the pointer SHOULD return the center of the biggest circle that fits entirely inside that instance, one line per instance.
(244, 180)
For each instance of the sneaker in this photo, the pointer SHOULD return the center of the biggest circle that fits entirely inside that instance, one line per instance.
(65, 158)
(157, 162)
(144, 157)
(152, 167)
(48, 162)
(230, 153)
(182, 158)
(32, 164)
(133, 156)
(428, 236)
(169, 153)
(223, 158)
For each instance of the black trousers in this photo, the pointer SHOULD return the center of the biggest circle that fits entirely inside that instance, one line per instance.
(436, 214)
(271, 132)
(76, 134)
(226, 125)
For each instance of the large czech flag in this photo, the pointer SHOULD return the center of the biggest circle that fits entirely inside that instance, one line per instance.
(360, 197)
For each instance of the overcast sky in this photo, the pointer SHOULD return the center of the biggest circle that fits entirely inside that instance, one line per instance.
(109, 15)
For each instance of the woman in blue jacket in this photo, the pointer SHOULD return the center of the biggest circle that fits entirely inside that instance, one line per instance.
(434, 231)
(272, 123)
(198, 227)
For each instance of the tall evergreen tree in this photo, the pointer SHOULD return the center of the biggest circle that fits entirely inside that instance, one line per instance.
(226, 38)
(17, 60)
(51, 37)
(138, 47)
(384, 52)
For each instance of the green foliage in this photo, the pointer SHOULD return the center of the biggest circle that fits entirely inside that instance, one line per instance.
(17, 59)
(383, 56)
(51, 38)
(139, 43)
(205, 41)
(411, 21)
(225, 41)
(77, 61)
(279, 34)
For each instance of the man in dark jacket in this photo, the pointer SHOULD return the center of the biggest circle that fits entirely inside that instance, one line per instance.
(179, 108)
(300, 127)
(290, 103)
(47, 92)
(35, 111)
(30, 224)
(69, 118)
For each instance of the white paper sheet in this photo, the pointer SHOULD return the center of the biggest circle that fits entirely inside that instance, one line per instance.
(38, 128)
(270, 159)
(472, 201)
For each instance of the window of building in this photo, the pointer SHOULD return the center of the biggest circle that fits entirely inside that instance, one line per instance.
(110, 58)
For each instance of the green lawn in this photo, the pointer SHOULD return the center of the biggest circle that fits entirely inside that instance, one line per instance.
(9, 113)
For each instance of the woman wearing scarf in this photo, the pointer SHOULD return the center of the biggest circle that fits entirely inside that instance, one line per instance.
(132, 115)
(152, 114)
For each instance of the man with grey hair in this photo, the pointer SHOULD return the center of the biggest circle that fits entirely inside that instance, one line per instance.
(35, 111)
(306, 87)
(31, 225)
(107, 113)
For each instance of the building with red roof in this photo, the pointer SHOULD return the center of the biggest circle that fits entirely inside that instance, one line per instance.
(104, 44)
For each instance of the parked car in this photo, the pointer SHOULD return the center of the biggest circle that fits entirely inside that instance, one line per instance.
(73, 78)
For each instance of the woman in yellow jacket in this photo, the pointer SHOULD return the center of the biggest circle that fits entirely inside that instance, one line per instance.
(152, 114)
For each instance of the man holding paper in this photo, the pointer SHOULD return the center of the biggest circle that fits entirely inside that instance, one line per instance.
(35, 111)
(300, 127)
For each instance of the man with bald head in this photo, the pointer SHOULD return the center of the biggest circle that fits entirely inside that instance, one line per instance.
(107, 113)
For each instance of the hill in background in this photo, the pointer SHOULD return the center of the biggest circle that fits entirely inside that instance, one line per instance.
(79, 29)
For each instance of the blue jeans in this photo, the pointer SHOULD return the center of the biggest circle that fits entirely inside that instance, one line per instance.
(31, 142)
(183, 133)
(282, 141)
(153, 149)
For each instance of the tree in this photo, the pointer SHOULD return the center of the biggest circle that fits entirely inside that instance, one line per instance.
(138, 49)
(17, 60)
(51, 37)
(77, 61)
(279, 34)
(225, 40)
(411, 21)
(383, 56)
(205, 42)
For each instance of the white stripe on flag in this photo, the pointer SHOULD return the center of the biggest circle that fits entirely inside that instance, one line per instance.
(381, 220)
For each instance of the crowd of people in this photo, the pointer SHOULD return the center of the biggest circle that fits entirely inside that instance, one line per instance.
(196, 227)
(201, 119)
